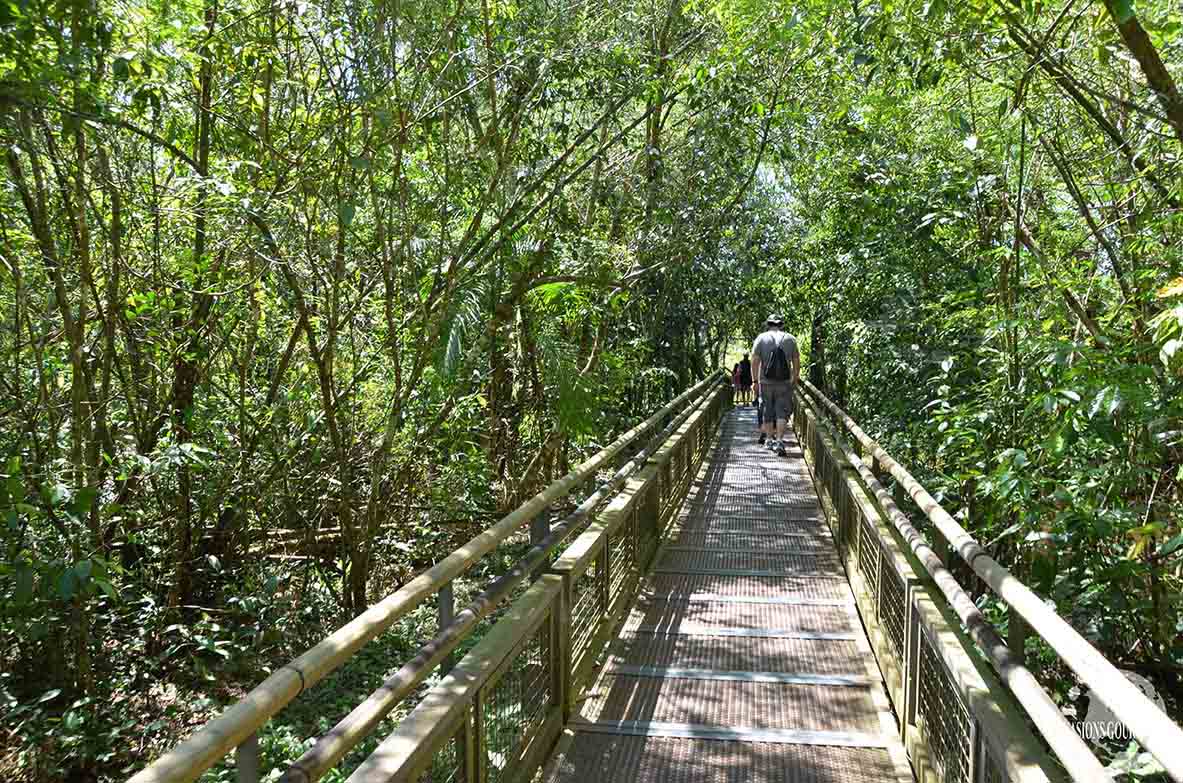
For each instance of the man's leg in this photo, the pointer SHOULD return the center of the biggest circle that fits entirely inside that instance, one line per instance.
(782, 413)
(781, 408)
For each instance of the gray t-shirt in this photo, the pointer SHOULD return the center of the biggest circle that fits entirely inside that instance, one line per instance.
(766, 343)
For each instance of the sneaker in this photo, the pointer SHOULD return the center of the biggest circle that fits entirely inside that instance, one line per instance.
(772, 444)
(780, 450)
(763, 437)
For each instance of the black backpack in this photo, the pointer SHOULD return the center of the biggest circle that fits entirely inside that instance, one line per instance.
(778, 366)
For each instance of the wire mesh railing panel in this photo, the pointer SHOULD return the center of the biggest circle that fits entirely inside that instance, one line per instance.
(620, 563)
(847, 518)
(632, 527)
(515, 705)
(836, 484)
(868, 555)
(587, 609)
(892, 604)
(448, 763)
(948, 726)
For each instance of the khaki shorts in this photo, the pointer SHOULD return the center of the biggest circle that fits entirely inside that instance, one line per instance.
(778, 401)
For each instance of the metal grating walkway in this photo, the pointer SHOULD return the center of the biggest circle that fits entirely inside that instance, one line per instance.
(743, 659)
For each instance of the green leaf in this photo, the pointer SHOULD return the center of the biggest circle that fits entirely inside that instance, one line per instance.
(1123, 10)
(23, 588)
(1063, 439)
(1169, 349)
(83, 568)
(551, 291)
(80, 504)
(346, 212)
(49, 695)
(1171, 545)
(67, 584)
(1173, 288)
(107, 588)
(56, 494)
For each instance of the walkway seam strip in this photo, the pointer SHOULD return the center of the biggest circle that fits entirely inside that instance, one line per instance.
(784, 678)
(781, 517)
(781, 600)
(638, 728)
(690, 629)
(811, 575)
(756, 533)
(765, 552)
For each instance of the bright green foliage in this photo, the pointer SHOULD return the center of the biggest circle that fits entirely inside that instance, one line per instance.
(297, 295)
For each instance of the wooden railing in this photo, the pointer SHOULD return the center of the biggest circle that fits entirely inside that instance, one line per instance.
(962, 721)
(643, 449)
(497, 714)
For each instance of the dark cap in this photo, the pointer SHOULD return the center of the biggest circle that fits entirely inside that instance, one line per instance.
(775, 320)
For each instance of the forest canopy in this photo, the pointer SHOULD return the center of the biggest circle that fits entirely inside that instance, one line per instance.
(296, 296)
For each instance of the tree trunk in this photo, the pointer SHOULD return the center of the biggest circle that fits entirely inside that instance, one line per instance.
(1157, 75)
(185, 366)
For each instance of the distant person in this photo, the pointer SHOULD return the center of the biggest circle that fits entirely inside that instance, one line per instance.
(745, 380)
(776, 366)
(735, 381)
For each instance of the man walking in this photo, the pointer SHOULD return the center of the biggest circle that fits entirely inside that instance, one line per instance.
(776, 368)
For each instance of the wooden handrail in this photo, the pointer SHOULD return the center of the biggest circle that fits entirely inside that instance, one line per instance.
(398, 756)
(453, 711)
(1152, 727)
(1064, 742)
(355, 726)
(186, 761)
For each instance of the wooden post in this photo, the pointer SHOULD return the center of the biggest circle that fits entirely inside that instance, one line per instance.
(446, 613)
(940, 545)
(246, 758)
(476, 740)
(1016, 636)
(539, 529)
(468, 737)
(872, 463)
(561, 649)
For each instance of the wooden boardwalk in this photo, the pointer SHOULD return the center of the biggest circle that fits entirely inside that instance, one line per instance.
(743, 658)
